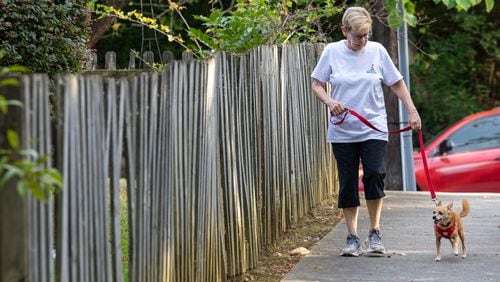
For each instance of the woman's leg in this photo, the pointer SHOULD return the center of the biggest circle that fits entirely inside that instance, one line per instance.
(374, 211)
(347, 157)
(351, 219)
(374, 170)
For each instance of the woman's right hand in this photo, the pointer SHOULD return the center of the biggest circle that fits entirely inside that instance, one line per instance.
(336, 107)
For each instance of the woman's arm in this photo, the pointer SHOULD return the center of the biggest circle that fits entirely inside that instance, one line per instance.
(402, 92)
(319, 89)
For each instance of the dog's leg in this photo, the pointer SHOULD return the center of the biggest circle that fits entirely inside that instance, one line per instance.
(438, 248)
(454, 243)
(462, 240)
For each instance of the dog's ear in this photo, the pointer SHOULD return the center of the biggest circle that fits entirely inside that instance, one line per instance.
(450, 205)
(439, 203)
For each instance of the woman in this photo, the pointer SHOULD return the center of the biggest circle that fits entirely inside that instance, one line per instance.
(356, 68)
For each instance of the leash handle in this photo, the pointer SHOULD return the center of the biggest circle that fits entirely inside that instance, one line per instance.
(367, 123)
(420, 140)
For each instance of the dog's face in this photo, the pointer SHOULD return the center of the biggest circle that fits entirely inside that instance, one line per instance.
(441, 213)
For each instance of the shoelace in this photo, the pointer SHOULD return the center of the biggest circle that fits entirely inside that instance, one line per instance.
(352, 239)
(375, 236)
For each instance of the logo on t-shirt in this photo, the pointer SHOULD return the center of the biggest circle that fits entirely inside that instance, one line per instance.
(371, 70)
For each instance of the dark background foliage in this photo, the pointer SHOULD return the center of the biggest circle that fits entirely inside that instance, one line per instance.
(454, 69)
(455, 72)
(45, 35)
(454, 59)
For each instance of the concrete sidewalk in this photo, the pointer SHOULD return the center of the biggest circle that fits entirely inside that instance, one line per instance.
(407, 233)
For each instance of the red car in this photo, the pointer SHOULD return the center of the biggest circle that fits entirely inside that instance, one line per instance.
(465, 157)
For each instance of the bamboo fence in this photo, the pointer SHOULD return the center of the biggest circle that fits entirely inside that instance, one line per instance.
(220, 158)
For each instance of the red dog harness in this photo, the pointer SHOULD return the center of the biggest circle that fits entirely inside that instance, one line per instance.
(445, 233)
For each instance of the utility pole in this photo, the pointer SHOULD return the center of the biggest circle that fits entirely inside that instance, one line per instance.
(408, 170)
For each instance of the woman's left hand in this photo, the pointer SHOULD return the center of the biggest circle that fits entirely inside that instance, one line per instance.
(415, 121)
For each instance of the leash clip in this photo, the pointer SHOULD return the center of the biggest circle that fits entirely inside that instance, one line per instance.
(435, 200)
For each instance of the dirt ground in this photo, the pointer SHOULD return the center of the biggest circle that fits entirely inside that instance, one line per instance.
(276, 260)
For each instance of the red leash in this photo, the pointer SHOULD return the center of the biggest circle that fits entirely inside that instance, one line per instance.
(420, 141)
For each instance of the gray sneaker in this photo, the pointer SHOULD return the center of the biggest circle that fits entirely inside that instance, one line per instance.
(374, 243)
(352, 246)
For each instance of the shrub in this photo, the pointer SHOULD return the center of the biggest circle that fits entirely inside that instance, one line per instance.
(46, 36)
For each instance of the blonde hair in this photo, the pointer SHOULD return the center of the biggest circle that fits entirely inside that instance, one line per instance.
(356, 17)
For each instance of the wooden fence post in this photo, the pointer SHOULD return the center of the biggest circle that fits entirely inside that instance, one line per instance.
(149, 58)
(131, 60)
(91, 60)
(187, 56)
(13, 208)
(110, 63)
(167, 57)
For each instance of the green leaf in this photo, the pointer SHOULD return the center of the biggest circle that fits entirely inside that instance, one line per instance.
(91, 5)
(22, 188)
(17, 170)
(6, 177)
(25, 166)
(464, 4)
(21, 69)
(395, 21)
(52, 183)
(202, 37)
(12, 138)
(489, 5)
(449, 3)
(15, 103)
(3, 104)
(410, 19)
(30, 154)
(409, 7)
(9, 82)
(41, 160)
(38, 190)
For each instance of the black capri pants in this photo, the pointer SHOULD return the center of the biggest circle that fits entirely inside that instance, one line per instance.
(372, 155)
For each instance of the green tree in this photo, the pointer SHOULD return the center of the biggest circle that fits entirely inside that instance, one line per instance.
(245, 25)
(258, 22)
(455, 72)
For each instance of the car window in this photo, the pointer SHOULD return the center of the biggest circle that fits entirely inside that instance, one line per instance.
(483, 133)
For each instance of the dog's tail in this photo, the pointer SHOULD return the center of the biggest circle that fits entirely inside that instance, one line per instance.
(465, 208)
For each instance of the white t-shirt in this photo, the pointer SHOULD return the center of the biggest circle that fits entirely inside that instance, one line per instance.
(356, 79)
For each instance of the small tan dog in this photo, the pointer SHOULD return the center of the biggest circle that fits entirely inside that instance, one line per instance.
(448, 224)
